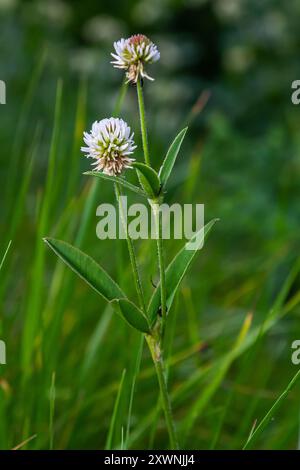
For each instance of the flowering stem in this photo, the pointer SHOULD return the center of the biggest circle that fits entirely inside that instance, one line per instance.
(143, 121)
(153, 342)
(118, 191)
(156, 354)
(155, 207)
(131, 251)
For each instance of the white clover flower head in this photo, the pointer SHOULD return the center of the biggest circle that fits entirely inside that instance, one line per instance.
(110, 143)
(132, 54)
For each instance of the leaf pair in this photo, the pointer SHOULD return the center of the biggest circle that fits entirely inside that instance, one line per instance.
(94, 275)
(83, 265)
(152, 183)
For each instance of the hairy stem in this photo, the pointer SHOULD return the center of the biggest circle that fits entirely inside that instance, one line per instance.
(131, 251)
(156, 354)
(135, 271)
(143, 121)
(161, 263)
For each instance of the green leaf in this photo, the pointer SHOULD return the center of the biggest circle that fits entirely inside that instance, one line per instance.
(99, 280)
(148, 178)
(176, 271)
(132, 314)
(86, 268)
(169, 161)
(255, 433)
(117, 179)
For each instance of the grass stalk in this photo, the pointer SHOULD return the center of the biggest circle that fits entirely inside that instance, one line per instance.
(256, 432)
(120, 98)
(111, 431)
(133, 384)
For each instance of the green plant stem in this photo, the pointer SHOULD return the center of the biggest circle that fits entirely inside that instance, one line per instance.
(156, 354)
(161, 263)
(155, 208)
(143, 121)
(155, 344)
(131, 251)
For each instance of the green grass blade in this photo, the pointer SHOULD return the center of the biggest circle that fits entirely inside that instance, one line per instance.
(35, 291)
(51, 412)
(132, 388)
(5, 254)
(25, 442)
(215, 381)
(93, 347)
(19, 205)
(267, 418)
(251, 339)
(79, 126)
(120, 98)
(109, 440)
(19, 200)
(21, 129)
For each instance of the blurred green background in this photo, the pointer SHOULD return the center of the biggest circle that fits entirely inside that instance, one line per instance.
(226, 69)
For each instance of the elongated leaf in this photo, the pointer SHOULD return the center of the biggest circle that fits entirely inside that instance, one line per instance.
(148, 179)
(94, 275)
(86, 268)
(117, 179)
(169, 161)
(267, 418)
(176, 271)
(133, 315)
